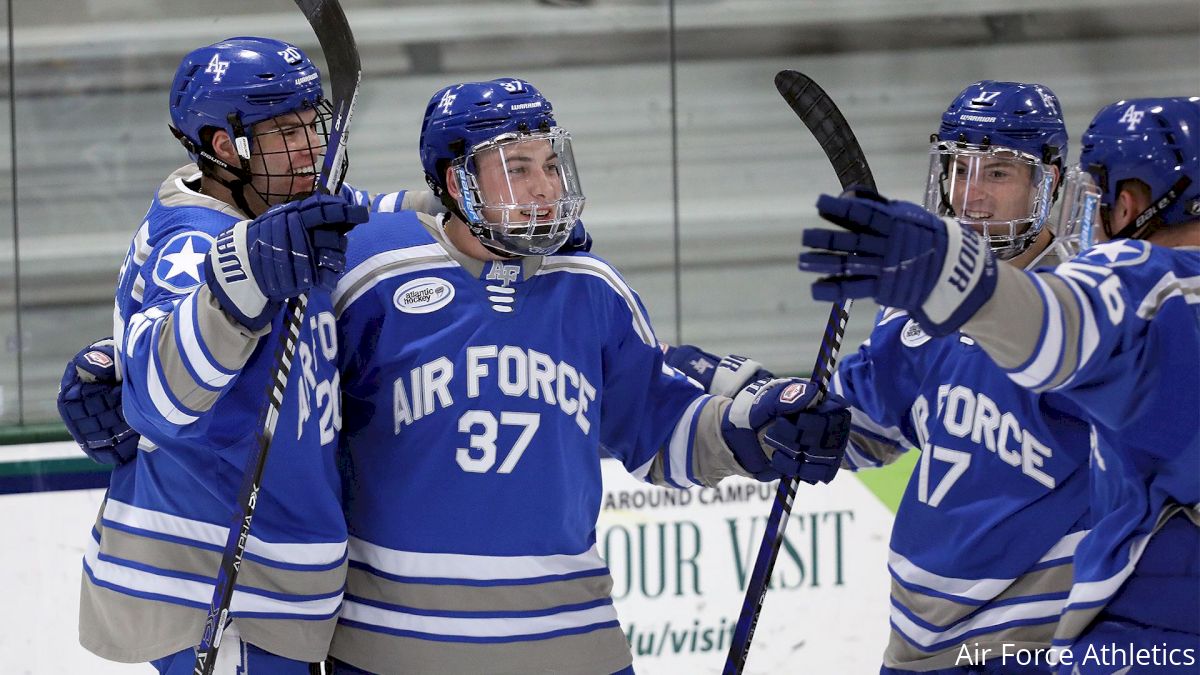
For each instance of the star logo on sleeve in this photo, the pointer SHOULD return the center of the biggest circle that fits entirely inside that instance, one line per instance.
(179, 264)
(1119, 252)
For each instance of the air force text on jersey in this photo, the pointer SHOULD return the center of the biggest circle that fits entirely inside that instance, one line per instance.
(514, 371)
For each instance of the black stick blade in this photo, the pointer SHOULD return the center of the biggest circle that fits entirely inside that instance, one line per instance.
(827, 124)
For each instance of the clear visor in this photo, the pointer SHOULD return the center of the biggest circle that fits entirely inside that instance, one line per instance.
(521, 192)
(1079, 219)
(1003, 194)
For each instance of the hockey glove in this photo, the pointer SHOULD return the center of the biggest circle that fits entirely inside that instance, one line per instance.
(901, 255)
(293, 247)
(774, 429)
(723, 377)
(89, 402)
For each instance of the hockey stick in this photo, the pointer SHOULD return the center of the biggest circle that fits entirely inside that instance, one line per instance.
(341, 54)
(829, 127)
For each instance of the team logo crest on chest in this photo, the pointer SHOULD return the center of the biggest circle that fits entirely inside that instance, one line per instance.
(501, 276)
(424, 295)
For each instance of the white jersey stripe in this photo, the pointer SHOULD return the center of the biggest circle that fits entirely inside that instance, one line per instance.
(681, 441)
(473, 567)
(157, 389)
(1065, 547)
(996, 616)
(1089, 337)
(351, 286)
(189, 336)
(600, 269)
(323, 554)
(973, 589)
(387, 203)
(1050, 348)
(490, 627)
(642, 473)
(198, 591)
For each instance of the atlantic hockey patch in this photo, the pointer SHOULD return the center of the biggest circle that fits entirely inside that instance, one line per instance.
(912, 335)
(181, 260)
(424, 295)
(793, 392)
(98, 359)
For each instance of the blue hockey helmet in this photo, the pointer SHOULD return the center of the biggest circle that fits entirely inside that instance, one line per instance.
(240, 81)
(237, 83)
(1154, 141)
(471, 125)
(991, 161)
(464, 115)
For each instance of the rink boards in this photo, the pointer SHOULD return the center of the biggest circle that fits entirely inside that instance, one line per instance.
(679, 562)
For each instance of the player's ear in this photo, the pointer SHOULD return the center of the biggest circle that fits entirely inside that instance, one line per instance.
(222, 146)
(451, 184)
(1128, 204)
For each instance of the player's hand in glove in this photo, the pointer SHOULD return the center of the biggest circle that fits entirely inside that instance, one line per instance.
(775, 429)
(902, 256)
(287, 251)
(89, 402)
(723, 377)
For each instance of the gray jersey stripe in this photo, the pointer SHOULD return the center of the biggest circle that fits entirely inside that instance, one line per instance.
(1010, 338)
(229, 343)
(884, 453)
(940, 611)
(193, 560)
(1169, 286)
(901, 654)
(454, 598)
(712, 460)
(567, 264)
(1072, 314)
(386, 271)
(131, 629)
(599, 651)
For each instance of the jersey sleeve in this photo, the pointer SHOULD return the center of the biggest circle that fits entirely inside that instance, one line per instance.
(180, 353)
(654, 420)
(421, 201)
(1092, 328)
(879, 381)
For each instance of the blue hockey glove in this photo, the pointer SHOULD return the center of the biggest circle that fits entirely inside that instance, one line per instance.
(89, 402)
(901, 255)
(293, 247)
(723, 377)
(775, 430)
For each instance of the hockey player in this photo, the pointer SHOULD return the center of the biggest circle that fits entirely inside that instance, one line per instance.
(1114, 330)
(981, 549)
(226, 241)
(481, 373)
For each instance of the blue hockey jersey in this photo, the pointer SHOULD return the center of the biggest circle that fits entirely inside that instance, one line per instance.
(476, 397)
(983, 540)
(1116, 330)
(194, 385)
